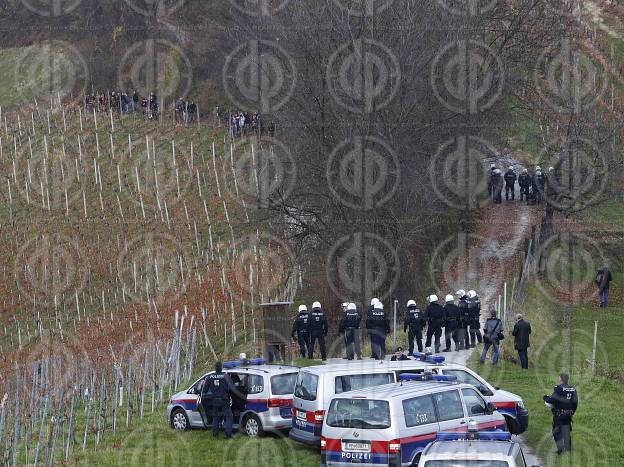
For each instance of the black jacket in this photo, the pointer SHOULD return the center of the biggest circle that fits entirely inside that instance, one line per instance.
(464, 311)
(350, 319)
(301, 324)
(435, 316)
(217, 386)
(318, 322)
(451, 312)
(510, 178)
(414, 319)
(376, 320)
(524, 180)
(564, 400)
(521, 332)
(603, 279)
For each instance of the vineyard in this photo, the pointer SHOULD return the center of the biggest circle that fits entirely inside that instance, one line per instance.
(128, 259)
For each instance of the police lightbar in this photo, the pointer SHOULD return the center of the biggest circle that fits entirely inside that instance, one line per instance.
(480, 435)
(235, 364)
(427, 377)
(429, 358)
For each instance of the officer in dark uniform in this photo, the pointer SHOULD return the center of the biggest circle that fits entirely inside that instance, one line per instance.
(510, 183)
(563, 401)
(413, 324)
(216, 389)
(318, 330)
(350, 326)
(464, 319)
(301, 327)
(434, 315)
(474, 311)
(490, 179)
(497, 186)
(539, 184)
(378, 327)
(524, 180)
(451, 313)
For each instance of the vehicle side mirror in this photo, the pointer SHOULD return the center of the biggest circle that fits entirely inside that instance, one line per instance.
(490, 408)
(485, 390)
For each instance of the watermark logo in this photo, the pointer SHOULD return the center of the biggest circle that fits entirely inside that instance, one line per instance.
(51, 269)
(51, 8)
(143, 446)
(363, 7)
(156, 66)
(468, 7)
(363, 264)
(459, 173)
(261, 263)
(568, 80)
(467, 77)
(569, 263)
(363, 76)
(260, 7)
(279, 450)
(265, 173)
(363, 173)
(153, 268)
(155, 8)
(259, 75)
(51, 71)
(580, 174)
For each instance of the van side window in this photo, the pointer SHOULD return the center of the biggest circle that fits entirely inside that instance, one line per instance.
(474, 402)
(449, 406)
(346, 383)
(255, 384)
(419, 411)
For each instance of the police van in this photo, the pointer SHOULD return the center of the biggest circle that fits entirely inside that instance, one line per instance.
(316, 385)
(261, 401)
(392, 424)
(473, 449)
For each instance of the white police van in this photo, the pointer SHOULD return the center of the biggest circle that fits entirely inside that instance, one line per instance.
(473, 449)
(316, 385)
(392, 424)
(261, 402)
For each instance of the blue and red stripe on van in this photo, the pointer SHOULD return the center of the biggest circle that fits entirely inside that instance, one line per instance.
(381, 451)
(509, 408)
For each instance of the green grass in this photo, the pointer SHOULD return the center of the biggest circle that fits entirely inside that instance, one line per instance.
(610, 211)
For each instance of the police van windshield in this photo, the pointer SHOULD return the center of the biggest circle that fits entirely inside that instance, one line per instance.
(450, 463)
(346, 383)
(306, 386)
(359, 413)
(283, 384)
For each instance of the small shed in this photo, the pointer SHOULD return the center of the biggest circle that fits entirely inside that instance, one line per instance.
(277, 325)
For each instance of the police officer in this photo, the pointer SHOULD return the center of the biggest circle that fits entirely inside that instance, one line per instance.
(318, 330)
(524, 180)
(464, 319)
(510, 183)
(474, 312)
(378, 326)
(301, 327)
(218, 387)
(563, 402)
(539, 183)
(350, 326)
(451, 313)
(497, 186)
(413, 323)
(490, 174)
(434, 314)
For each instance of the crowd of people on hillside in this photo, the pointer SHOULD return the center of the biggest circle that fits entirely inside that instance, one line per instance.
(242, 124)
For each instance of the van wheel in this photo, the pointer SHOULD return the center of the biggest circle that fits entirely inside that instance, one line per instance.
(512, 425)
(179, 420)
(416, 460)
(252, 426)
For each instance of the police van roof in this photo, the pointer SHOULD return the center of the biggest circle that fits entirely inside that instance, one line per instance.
(266, 369)
(354, 366)
(475, 449)
(387, 391)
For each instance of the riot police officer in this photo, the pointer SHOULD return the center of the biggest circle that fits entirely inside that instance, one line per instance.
(497, 186)
(318, 330)
(510, 184)
(434, 315)
(350, 326)
(378, 326)
(539, 184)
(216, 389)
(474, 312)
(413, 324)
(301, 327)
(524, 180)
(451, 314)
(490, 174)
(563, 402)
(464, 319)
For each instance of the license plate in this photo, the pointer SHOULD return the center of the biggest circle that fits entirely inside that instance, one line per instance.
(301, 415)
(356, 447)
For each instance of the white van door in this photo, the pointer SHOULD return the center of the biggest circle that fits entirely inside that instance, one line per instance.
(476, 409)
(451, 415)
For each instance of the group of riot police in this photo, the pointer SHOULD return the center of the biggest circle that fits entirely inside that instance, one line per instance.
(459, 317)
(532, 186)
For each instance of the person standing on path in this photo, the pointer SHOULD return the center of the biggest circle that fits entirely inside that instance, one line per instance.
(563, 402)
(603, 279)
(521, 332)
(492, 332)
(350, 327)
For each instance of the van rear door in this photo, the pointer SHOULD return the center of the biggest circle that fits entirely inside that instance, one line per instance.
(308, 403)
